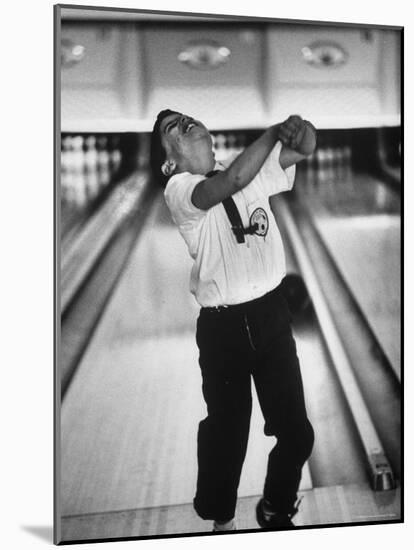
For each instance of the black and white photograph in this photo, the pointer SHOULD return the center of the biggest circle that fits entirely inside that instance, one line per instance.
(228, 256)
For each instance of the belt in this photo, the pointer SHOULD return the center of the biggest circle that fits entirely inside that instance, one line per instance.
(233, 308)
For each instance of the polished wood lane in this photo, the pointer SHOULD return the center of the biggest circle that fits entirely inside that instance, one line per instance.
(339, 504)
(358, 218)
(367, 250)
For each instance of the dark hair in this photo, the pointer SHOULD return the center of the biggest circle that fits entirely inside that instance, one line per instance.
(157, 152)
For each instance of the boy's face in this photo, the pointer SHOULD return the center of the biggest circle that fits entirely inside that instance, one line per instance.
(184, 138)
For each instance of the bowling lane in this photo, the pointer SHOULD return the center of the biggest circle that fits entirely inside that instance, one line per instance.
(130, 416)
(358, 218)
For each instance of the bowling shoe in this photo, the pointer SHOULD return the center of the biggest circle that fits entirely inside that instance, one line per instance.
(269, 519)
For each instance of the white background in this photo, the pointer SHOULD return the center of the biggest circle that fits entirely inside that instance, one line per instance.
(26, 307)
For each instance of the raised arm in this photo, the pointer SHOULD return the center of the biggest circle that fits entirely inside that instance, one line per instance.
(240, 173)
(298, 139)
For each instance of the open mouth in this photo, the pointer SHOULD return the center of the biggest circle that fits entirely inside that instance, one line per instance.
(189, 126)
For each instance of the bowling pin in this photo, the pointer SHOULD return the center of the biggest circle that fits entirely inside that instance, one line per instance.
(64, 169)
(91, 167)
(114, 155)
(79, 184)
(330, 174)
(220, 147)
(103, 161)
(69, 182)
(321, 162)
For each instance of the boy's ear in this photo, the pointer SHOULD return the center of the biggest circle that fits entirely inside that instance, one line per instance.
(168, 167)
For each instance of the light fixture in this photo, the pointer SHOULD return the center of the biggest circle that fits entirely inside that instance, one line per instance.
(71, 53)
(204, 54)
(324, 54)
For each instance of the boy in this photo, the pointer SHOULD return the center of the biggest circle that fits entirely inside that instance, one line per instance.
(243, 330)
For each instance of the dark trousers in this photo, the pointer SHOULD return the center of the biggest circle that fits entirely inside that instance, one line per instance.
(237, 343)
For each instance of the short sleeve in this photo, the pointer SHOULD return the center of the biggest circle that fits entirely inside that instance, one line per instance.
(178, 198)
(271, 178)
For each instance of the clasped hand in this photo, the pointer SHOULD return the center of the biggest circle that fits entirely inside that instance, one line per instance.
(298, 134)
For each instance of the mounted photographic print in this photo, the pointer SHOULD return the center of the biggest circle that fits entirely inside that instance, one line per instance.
(228, 275)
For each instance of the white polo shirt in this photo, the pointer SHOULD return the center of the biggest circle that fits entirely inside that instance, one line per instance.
(226, 272)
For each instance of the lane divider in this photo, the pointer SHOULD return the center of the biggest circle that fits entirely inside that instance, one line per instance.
(78, 262)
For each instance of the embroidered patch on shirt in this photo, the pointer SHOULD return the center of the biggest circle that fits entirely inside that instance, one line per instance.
(259, 217)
